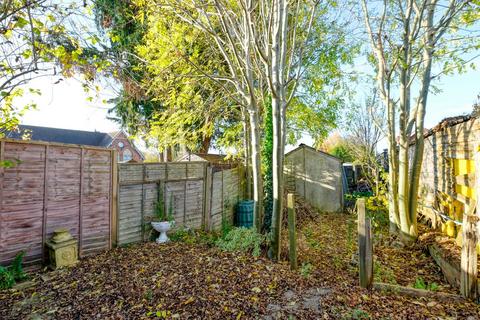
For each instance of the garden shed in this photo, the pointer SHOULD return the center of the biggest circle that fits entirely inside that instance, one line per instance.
(316, 176)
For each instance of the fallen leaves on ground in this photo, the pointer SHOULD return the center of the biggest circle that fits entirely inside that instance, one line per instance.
(193, 281)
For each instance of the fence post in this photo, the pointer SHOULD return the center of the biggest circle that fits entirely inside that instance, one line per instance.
(45, 204)
(292, 232)
(468, 277)
(207, 208)
(468, 265)
(365, 248)
(114, 200)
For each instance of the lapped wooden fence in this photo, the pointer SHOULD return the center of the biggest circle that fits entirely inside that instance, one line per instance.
(198, 194)
(53, 186)
(101, 203)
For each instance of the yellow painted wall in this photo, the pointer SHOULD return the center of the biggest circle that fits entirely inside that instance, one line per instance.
(464, 166)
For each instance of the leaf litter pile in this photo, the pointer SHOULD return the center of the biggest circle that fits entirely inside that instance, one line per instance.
(195, 281)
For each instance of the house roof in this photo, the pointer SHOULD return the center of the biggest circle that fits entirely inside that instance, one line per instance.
(98, 139)
(302, 145)
(68, 136)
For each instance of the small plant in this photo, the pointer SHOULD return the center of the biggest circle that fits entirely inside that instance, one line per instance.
(7, 279)
(242, 239)
(159, 213)
(421, 284)
(13, 273)
(383, 273)
(170, 216)
(359, 314)
(310, 239)
(149, 295)
(306, 269)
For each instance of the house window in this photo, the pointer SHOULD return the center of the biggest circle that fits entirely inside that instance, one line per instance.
(127, 155)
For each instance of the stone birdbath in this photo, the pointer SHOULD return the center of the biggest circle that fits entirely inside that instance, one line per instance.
(163, 227)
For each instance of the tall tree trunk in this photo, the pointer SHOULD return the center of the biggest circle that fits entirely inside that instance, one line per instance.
(420, 118)
(205, 144)
(246, 141)
(392, 165)
(279, 102)
(256, 168)
(277, 164)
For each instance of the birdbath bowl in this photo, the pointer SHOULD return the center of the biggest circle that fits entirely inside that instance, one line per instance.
(162, 227)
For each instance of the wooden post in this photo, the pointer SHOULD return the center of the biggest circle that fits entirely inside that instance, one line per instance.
(185, 195)
(2, 172)
(80, 208)
(114, 199)
(365, 249)
(292, 232)
(468, 275)
(45, 204)
(207, 209)
(2, 175)
(468, 265)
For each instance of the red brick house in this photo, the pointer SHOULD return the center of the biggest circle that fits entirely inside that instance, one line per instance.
(125, 147)
(117, 140)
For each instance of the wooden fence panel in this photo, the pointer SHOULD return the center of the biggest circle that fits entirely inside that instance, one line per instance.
(53, 186)
(129, 214)
(22, 203)
(95, 218)
(217, 201)
(174, 198)
(194, 203)
(184, 186)
(63, 189)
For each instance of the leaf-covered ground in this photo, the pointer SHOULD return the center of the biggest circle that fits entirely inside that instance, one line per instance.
(194, 281)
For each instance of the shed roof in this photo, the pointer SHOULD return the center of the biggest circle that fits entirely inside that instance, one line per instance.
(209, 157)
(304, 146)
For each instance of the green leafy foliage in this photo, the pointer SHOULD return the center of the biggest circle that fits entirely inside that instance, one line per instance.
(7, 280)
(159, 214)
(382, 273)
(421, 284)
(306, 269)
(242, 239)
(359, 314)
(267, 165)
(342, 152)
(36, 38)
(191, 237)
(13, 273)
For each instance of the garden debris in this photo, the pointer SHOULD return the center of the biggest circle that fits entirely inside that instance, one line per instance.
(194, 281)
(303, 210)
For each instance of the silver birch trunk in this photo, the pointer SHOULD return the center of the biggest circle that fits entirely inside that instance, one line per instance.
(246, 146)
(256, 167)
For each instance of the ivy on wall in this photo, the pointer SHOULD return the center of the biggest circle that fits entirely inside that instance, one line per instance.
(267, 167)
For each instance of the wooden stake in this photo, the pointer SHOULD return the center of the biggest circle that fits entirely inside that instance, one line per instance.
(468, 266)
(292, 232)
(468, 276)
(114, 201)
(365, 248)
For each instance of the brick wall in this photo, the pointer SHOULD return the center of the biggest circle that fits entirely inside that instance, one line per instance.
(127, 149)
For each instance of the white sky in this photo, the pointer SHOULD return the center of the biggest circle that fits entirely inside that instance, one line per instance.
(65, 105)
